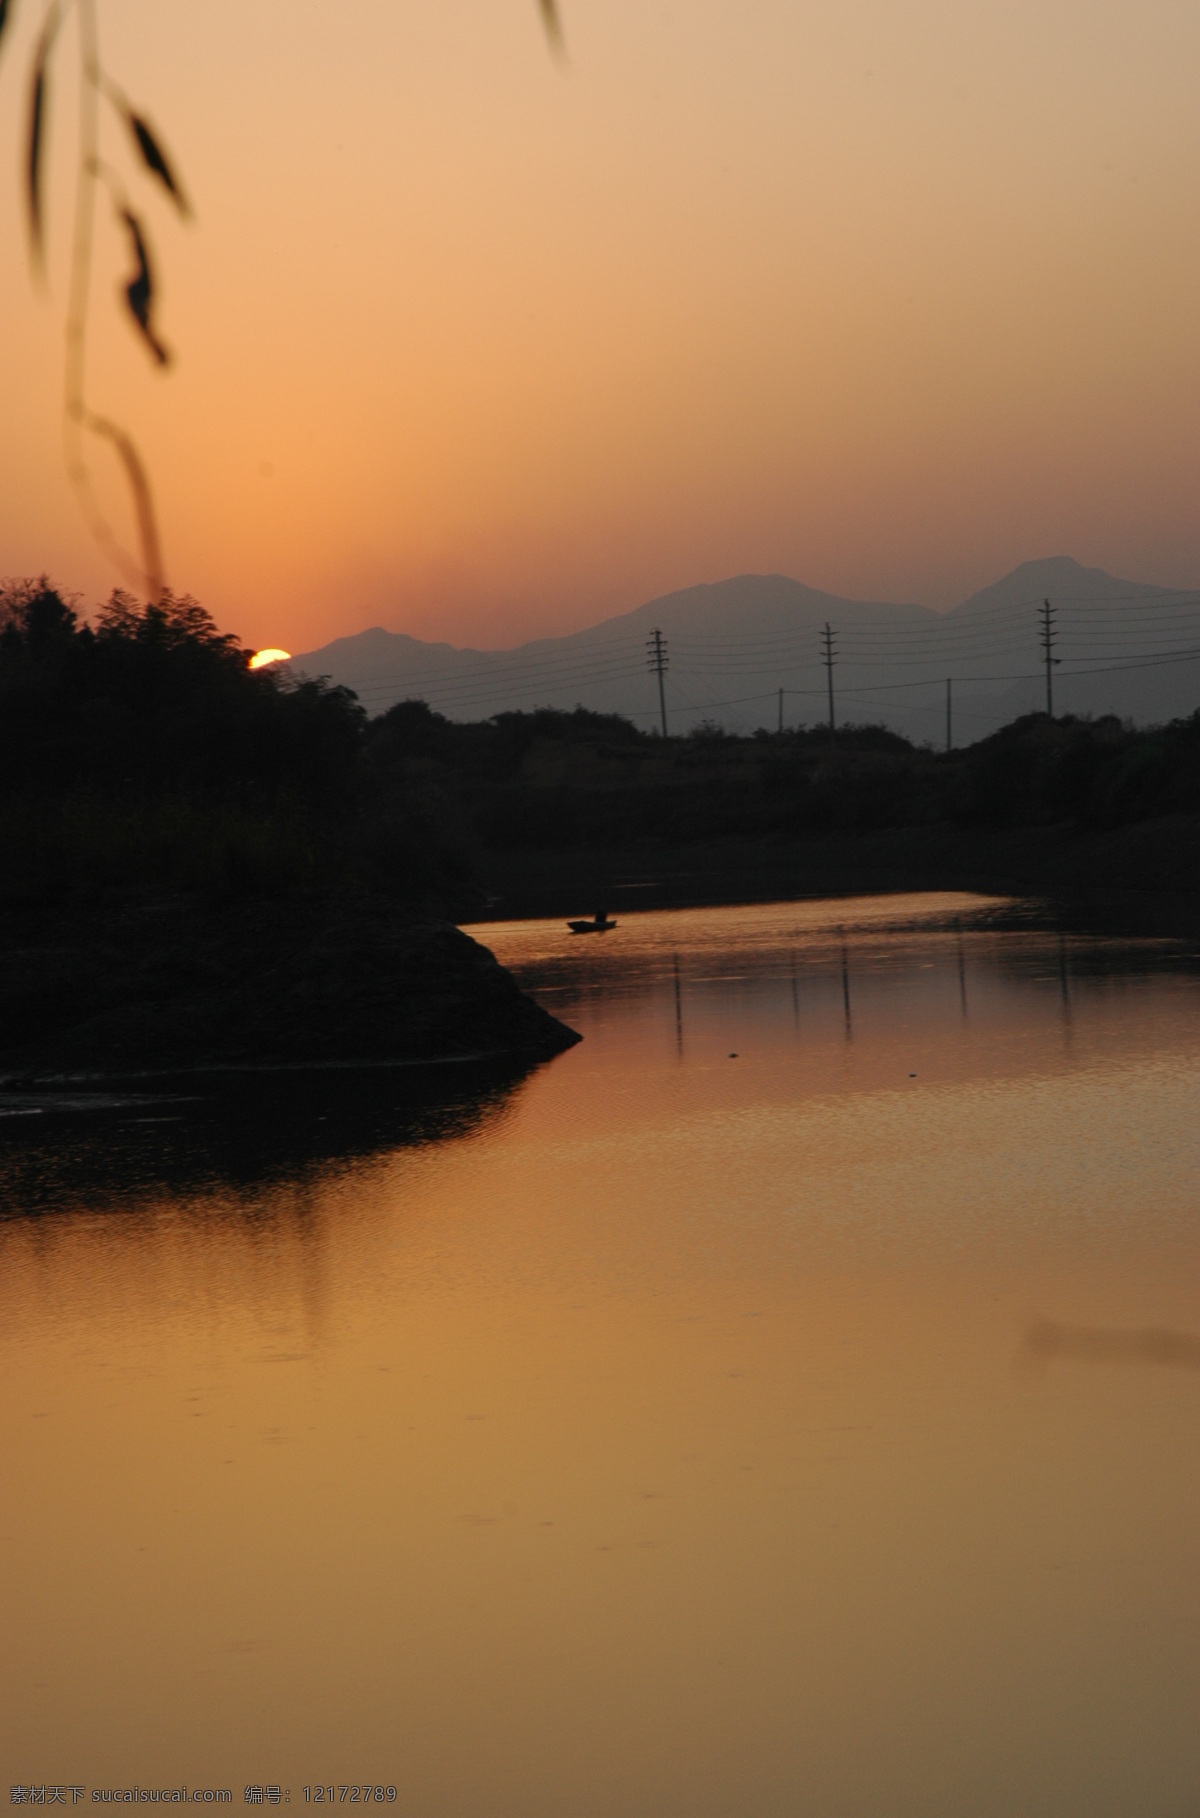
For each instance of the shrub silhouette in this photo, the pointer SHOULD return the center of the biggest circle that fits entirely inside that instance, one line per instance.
(142, 754)
(154, 700)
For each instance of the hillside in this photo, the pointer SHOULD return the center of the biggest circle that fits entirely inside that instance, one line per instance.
(1123, 648)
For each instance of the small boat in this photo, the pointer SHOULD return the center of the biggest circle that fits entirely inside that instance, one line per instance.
(599, 924)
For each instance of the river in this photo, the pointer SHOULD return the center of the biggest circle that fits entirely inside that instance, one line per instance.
(785, 1402)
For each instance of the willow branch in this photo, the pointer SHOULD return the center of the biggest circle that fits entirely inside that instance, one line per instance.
(78, 419)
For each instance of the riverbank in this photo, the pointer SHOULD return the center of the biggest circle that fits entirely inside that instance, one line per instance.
(1143, 877)
(564, 814)
(179, 985)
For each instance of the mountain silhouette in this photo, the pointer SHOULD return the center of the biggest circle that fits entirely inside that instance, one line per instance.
(1121, 647)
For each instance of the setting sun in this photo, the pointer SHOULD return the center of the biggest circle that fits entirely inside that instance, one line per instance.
(261, 658)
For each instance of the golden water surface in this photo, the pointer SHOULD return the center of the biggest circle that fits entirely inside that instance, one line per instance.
(785, 1402)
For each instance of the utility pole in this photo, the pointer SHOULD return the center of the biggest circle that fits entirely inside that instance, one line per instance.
(949, 739)
(781, 710)
(657, 662)
(828, 659)
(1049, 636)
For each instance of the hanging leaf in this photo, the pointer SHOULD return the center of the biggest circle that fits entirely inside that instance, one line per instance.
(155, 159)
(143, 501)
(553, 25)
(38, 105)
(139, 292)
(37, 116)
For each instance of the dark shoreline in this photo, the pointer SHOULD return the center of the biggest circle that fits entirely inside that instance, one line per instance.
(177, 991)
(114, 1150)
(182, 993)
(1140, 879)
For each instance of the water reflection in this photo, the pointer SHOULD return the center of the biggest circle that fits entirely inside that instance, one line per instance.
(660, 1433)
(236, 1133)
(916, 987)
(1174, 1350)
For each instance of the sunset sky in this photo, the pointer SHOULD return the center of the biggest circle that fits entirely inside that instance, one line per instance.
(887, 295)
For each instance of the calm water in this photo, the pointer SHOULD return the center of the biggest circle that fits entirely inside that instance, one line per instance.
(787, 1402)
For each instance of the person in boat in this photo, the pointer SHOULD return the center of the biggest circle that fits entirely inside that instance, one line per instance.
(598, 925)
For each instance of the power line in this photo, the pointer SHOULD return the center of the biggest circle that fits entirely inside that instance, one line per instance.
(893, 648)
(935, 660)
(482, 684)
(872, 691)
(742, 700)
(912, 658)
(879, 647)
(1069, 669)
(1153, 662)
(935, 665)
(978, 617)
(514, 673)
(1076, 669)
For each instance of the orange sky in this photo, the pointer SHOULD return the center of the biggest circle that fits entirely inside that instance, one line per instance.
(888, 295)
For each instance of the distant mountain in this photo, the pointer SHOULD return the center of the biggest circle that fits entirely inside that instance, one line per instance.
(1120, 646)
